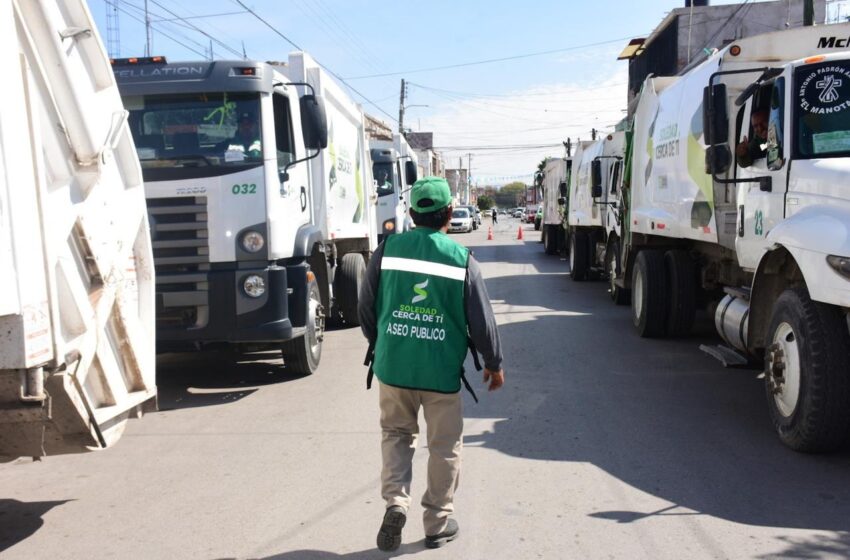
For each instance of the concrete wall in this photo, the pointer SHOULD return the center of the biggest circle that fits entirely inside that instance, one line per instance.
(715, 26)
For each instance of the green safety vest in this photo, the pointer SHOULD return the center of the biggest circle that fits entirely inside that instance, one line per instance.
(422, 328)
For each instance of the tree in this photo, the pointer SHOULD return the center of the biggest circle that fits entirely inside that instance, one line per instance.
(512, 194)
(485, 202)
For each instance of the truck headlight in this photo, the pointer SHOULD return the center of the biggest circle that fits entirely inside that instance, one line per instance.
(254, 286)
(389, 225)
(252, 241)
(841, 265)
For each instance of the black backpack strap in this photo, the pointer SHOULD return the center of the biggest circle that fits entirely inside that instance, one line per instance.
(370, 359)
(467, 385)
(474, 352)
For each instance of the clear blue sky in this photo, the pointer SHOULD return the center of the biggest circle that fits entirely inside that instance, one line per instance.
(537, 100)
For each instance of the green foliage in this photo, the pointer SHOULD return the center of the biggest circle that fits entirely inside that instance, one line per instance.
(485, 202)
(512, 194)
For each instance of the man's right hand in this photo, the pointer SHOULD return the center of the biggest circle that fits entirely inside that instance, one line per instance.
(741, 149)
(495, 378)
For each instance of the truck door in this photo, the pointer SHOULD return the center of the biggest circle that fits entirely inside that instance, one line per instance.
(760, 208)
(294, 192)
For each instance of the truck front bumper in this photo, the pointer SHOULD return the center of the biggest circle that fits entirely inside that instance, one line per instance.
(224, 313)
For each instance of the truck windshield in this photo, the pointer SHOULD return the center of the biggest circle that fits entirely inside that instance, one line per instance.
(191, 135)
(822, 109)
(383, 173)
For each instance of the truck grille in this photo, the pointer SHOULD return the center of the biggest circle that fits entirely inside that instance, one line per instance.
(182, 260)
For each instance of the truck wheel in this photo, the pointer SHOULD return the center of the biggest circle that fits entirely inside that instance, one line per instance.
(550, 240)
(619, 296)
(347, 282)
(301, 355)
(681, 280)
(579, 256)
(649, 294)
(807, 373)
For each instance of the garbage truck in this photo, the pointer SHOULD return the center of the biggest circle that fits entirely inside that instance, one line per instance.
(394, 171)
(739, 202)
(555, 181)
(77, 285)
(594, 217)
(261, 201)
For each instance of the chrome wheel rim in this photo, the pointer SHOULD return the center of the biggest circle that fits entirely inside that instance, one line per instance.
(637, 299)
(315, 323)
(784, 370)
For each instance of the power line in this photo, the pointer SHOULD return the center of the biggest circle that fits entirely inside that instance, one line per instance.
(166, 35)
(199, 30)
(489, 60)
(329, 71)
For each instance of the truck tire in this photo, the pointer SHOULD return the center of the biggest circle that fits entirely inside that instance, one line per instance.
(347, 282)
(649, 294)
(301, 355)
(807, 373)
(579, 256)
(620, 296)
(681, 281)
(550, 239)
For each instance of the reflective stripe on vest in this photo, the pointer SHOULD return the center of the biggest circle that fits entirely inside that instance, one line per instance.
(422, 329)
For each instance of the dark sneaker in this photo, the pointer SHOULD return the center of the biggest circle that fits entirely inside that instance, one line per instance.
(448, 535)
(389, 536)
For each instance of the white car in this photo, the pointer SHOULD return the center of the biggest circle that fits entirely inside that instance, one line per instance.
(461, 220)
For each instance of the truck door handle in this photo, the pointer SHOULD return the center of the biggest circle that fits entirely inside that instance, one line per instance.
(303, 198)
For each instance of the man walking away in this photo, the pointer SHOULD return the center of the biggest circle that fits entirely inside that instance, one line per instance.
(423, 303)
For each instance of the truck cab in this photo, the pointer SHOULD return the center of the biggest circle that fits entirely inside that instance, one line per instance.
(394, 170)
(221, 145)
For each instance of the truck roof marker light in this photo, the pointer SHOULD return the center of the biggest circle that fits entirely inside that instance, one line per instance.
(813, 59)
(735, 50)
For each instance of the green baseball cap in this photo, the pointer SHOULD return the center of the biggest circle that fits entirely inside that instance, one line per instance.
(430, 194)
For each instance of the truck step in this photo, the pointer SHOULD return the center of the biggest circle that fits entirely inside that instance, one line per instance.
(726, 356)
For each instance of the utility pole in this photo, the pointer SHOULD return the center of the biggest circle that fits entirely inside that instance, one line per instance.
(401, 109)
(148, 36)
(808, 13)
(468, 176)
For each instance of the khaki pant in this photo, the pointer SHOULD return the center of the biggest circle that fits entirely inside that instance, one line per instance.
(400, 428)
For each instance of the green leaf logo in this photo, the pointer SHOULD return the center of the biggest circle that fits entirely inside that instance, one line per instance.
(419, 290)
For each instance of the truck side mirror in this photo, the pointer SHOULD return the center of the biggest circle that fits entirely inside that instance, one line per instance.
(314, 122)
(715, 121)
(718, 158)
(596, 178)
(410, 172)
(562, 201)
(562, 189)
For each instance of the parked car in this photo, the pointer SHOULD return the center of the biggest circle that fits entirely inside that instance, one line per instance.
(461, 221)
(538, 218)
(487, 213)
(530, 212)
(473, 211)
(518, 213)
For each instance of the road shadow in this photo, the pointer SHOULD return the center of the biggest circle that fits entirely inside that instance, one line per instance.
(818, 546)
(212, 378)
(659, 415)
(304, 554)
(20, 520)
(403, 550)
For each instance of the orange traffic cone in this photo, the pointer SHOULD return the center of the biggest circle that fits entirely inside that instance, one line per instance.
(490, 234)
(519, 233)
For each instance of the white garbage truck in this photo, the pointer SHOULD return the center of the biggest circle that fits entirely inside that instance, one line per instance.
(77, 285)
(261, 199)
(739, 201)
(555, 182)
(594, 217)
(394, 170)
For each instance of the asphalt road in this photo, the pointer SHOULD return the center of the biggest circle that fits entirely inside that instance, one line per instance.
(601, 445)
